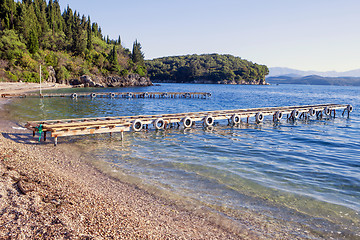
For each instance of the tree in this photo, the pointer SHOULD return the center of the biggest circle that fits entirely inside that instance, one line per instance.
(7, 12)
(33, 42)
(10, 45)
(112, 57)
(39, 9)
(89, 35)
(137, 55)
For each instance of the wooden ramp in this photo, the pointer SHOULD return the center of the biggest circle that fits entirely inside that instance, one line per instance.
(83, 126)
(114, 95)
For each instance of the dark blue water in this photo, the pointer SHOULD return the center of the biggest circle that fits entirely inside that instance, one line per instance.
(303, 172)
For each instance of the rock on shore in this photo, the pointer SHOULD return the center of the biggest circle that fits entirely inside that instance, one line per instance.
(130, 80)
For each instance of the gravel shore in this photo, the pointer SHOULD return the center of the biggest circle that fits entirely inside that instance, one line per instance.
(49, 192)
(18, 87)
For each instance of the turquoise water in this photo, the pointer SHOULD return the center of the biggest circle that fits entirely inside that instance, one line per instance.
(306, 173)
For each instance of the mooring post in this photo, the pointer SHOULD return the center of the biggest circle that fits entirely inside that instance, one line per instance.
(45, 136)
(55, 142)
(122, 135)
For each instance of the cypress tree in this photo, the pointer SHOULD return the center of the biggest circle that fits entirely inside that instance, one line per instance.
(28, 21)
(59, 21)
(7, 14)
(112, 57)
(95, 29)
(69, 23)
(33, 42)
(89, 35)
(137, 55)
(50, 16)
(39, 8)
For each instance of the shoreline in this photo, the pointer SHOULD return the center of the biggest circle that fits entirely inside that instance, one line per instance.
(21, 87)
(52, 192)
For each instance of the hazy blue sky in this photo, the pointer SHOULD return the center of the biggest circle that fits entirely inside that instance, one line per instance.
(319, 35)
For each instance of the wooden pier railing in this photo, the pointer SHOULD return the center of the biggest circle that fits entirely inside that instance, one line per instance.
(83, 126)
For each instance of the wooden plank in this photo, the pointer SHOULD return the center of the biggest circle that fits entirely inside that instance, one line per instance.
(89, 131)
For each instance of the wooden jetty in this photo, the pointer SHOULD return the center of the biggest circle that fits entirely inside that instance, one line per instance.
(83, 126)
(114, 95)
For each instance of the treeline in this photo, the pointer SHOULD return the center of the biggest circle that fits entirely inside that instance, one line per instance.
(209, 68)
(34, 32)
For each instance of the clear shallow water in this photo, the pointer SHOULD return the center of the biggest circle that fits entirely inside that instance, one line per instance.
(307, 173)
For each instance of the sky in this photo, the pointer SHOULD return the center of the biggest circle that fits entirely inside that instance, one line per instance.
(321, 35)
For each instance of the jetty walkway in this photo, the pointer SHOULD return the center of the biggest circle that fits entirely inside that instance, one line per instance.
(83, 126)
(113, 95)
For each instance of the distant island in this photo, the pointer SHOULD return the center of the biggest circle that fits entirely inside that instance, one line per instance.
(314, 80)
(70, 48)
(206, 68)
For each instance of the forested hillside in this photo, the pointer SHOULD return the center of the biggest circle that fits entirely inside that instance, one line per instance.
(207, 68)
(67, 45)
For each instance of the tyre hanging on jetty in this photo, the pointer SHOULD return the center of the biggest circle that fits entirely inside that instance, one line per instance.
(137, 125)
(327, 111)
(349, 108)
(278, 116)
(159, 124)
(93, 95)
(112, 95)
(295, 114)
(74, 95)
(312, 112)
(235, 119)
(129, 95)
(209, 120)
(187, 122)
(259, 117)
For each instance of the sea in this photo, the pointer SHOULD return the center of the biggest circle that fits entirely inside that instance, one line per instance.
(305, 173)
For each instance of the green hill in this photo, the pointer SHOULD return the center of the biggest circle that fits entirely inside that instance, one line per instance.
(67, 45)
(206, 68)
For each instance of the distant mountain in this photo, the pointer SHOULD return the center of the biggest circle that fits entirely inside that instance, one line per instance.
(281, 71)
(314, 80)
